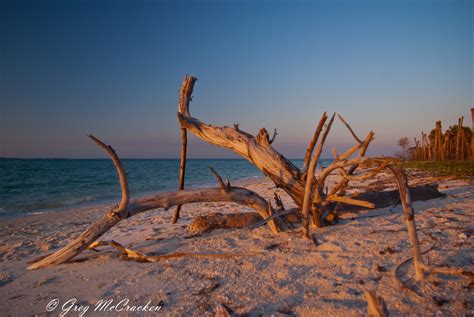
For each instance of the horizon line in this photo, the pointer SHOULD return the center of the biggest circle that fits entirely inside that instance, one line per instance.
(132, 158)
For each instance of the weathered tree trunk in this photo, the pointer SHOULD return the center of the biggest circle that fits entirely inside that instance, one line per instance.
(182, 169)
(428, 147)
(459, 144)
(423, 147)
(183, 103)
(256, 150)
(461, 139)
(439, 141)
(417, 155)
(447, 145)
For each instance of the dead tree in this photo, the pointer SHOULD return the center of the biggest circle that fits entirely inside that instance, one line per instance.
(184, 100)
(258, 151)
(447, 145)
(417, 150)
(428, 146)
(309, 191)
(439, 142)
(459, 143)
(472, 135)
(423, 147)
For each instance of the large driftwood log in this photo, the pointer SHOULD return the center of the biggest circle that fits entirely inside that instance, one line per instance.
(389, 198)
(258, 151)
(127, 209)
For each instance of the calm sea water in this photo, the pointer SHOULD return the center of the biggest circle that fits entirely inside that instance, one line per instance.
(45, 185)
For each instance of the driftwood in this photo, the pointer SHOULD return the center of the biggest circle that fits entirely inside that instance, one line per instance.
(309, 192)
(472, 134)
(127, 209)
(138, 256)
(297, 183)
(184, 100)
(409, 215)
(376, 306)
(206, 223)
(392, 197)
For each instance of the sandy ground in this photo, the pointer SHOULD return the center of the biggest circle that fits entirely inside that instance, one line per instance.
(280, 274)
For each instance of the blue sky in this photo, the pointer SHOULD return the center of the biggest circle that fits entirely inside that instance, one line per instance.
(113, 68)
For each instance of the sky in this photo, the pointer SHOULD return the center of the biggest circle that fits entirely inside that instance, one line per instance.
(114, 68)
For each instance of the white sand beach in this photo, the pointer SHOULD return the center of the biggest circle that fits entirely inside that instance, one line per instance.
(278, 274)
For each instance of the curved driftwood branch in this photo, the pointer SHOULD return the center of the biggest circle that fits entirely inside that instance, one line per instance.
(122, 207)
(409, 214)
(164, 200)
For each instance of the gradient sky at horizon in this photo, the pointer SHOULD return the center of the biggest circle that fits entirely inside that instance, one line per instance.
(114, 68)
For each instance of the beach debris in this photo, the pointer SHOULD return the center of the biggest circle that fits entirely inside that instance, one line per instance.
(314, 198)
(183, 103)
(224, 193)
(209, 222)
(140, 257)
(375, 304)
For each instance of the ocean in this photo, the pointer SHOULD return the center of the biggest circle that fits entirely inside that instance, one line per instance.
(46, 185)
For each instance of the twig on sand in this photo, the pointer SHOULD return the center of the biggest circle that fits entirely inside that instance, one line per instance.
(137, 256)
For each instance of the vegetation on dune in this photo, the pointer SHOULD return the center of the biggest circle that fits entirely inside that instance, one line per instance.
(447, 168)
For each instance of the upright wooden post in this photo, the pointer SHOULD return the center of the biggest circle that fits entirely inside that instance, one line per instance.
(432, 147)
(472, 134)
(423, 147)
(458, 140)
(183, 105)
(427, 148)
(447, 145)
(439, 142)
(462, 138)
(417, 155)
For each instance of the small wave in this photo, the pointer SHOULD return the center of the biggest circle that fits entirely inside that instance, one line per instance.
(40, 212)
(79, 200)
